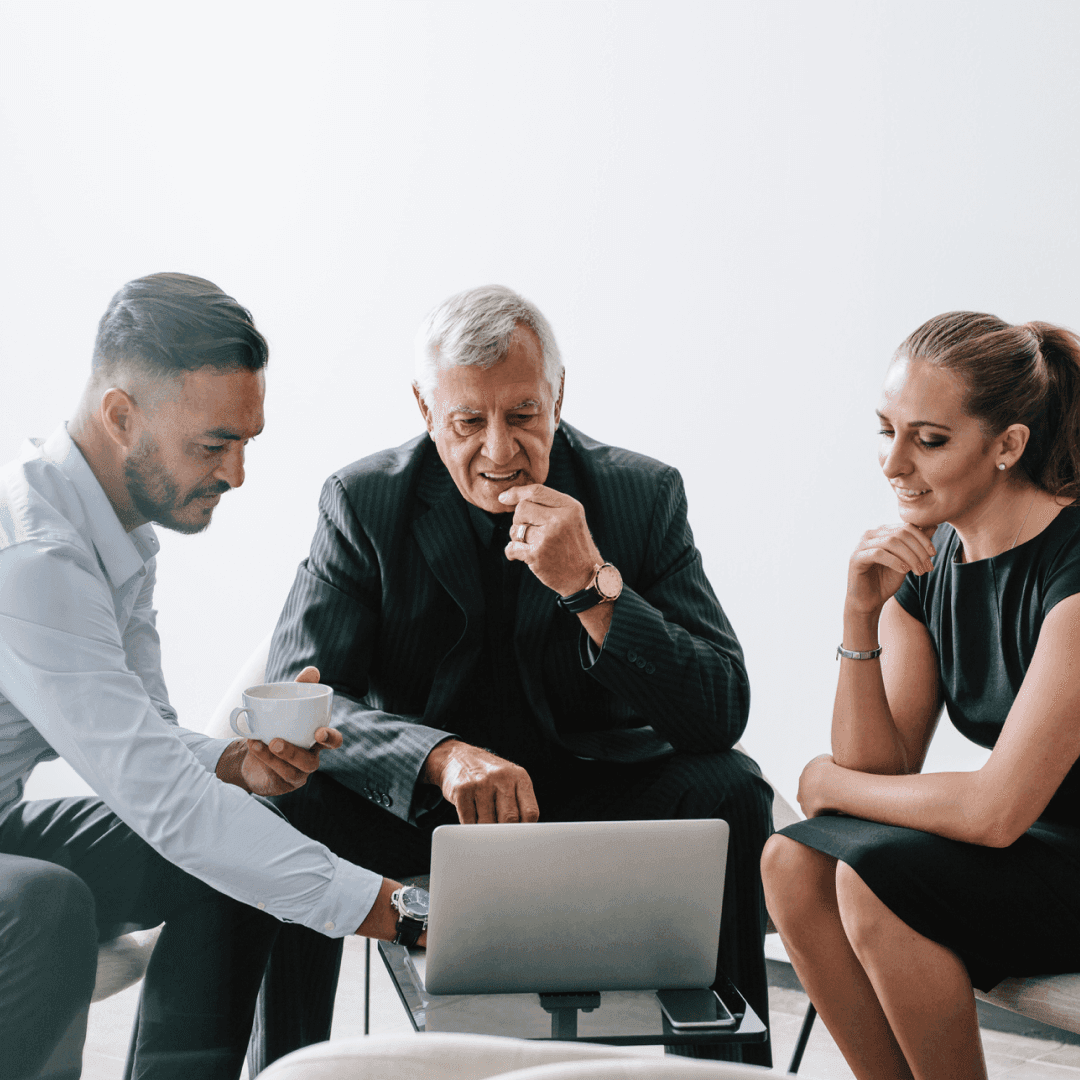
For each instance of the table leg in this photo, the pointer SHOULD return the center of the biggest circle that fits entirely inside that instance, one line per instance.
(564, 1006)
(367, 986)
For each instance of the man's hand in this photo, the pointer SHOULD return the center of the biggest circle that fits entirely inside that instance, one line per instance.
(482, 786)
(280, 767)
(558, 547)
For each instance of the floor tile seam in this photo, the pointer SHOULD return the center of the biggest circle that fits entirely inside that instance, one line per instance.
(1055, 1050)
(1063, 1070)
(1052, 1048)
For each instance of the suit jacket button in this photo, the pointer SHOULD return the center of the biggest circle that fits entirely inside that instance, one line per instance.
(640, 661)
(631, 656)
(650, 668)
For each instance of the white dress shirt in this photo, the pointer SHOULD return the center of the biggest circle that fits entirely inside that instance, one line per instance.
(80, 678)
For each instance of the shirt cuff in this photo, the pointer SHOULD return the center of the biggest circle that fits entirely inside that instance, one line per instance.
(207, 751)
(588, 651)
(347, 901)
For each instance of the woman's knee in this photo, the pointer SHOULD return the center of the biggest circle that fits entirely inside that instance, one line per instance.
(798, 880)
(866, 919)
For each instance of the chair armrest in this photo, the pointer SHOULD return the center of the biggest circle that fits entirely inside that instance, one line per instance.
(783, 812)
(122, 962)
(251, 674)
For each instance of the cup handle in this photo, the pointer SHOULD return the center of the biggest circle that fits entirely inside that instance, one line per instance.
(234, 717)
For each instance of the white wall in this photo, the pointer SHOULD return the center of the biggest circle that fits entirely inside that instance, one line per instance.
(731, 213)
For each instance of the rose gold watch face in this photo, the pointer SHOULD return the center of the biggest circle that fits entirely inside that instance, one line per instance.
(608, 582)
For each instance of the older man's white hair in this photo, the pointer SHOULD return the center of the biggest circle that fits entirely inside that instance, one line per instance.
(475, 327)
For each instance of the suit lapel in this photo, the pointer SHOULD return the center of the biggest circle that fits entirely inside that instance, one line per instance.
(445, 537)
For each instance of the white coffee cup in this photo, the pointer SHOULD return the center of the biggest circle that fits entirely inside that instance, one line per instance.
(292, 711)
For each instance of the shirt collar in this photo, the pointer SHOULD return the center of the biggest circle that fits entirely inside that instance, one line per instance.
(485, 523)
(123, 554)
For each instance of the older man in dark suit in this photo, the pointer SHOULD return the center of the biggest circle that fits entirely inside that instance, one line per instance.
(516, 624)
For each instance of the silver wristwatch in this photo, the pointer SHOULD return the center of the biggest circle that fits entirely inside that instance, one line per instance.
(411, 904)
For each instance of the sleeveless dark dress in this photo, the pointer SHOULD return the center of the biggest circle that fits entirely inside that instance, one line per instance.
(1011, 911)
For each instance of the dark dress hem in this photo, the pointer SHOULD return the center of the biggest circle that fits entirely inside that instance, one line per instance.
(1023, 922)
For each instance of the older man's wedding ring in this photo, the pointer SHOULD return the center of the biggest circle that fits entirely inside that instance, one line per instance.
(521, 530)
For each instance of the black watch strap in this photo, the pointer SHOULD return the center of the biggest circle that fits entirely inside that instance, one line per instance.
(408, 931)
(581, 600)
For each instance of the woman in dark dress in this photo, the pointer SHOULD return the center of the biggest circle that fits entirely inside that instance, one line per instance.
(903, 890)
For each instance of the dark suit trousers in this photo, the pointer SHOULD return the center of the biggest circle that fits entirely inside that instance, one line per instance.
(297, 998)
(71, 875)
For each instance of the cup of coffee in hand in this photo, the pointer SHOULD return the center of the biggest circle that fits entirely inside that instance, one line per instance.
(292, 711)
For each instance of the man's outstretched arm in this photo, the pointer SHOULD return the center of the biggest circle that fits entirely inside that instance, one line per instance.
(63, 667)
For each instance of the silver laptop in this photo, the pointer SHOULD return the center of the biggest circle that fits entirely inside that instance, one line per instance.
(562, 906)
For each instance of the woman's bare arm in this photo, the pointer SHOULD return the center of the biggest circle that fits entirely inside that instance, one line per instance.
(994, 805)
(885, 710)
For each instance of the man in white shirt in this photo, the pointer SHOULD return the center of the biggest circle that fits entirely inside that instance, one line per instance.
(175, 393)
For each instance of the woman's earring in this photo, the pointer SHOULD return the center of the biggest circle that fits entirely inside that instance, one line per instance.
(1001, 465)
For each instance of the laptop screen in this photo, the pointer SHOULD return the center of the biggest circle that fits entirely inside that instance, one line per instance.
(563, 906)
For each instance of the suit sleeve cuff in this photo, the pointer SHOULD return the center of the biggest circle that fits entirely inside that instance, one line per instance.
(621, 643)
(622, 616)
(426, 797)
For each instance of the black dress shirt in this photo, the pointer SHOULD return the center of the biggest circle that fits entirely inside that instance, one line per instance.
(493, 711)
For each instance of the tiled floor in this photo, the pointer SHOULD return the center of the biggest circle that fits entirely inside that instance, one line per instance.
(1012, 1056)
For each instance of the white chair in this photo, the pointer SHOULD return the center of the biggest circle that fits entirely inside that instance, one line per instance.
(252, 673)
(1050, 999)
(443, 1056)
(122, 962)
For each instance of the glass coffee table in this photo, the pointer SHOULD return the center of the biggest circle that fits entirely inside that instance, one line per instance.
(618, 1017)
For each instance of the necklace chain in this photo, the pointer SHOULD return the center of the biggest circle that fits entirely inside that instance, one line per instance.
(1024, 522)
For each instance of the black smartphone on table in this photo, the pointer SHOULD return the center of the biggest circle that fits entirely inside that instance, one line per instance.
(694, 1010)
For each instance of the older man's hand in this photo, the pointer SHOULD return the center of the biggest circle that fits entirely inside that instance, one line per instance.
(557, 544)
(280, 767)
(480, 785)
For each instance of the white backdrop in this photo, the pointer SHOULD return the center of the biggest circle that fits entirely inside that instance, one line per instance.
(731, 213)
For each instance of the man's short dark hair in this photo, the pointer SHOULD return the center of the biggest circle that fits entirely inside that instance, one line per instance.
(168, 324)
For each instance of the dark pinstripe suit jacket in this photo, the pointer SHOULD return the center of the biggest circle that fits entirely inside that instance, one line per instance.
(389, 607)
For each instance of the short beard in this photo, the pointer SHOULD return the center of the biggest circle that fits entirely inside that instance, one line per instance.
(154, 492)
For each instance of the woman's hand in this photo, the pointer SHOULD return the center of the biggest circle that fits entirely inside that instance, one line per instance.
(812, 797)
(883, 557)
